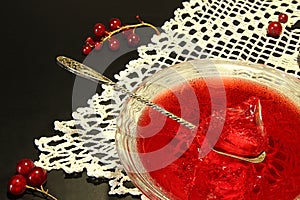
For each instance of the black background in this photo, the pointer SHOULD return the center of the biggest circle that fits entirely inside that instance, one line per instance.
(35, 91)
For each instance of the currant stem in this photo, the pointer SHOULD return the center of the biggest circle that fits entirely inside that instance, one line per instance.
(42, 190)
(147, 24)
(142, 23)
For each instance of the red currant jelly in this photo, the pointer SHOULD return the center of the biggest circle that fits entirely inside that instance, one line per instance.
(215, 176)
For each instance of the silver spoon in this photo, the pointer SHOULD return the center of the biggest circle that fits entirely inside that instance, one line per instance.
(88, 73)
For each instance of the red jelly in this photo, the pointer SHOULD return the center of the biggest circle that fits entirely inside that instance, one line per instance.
(243, 132)
(214, 176)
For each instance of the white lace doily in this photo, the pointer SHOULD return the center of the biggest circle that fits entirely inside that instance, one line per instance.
(231, 29)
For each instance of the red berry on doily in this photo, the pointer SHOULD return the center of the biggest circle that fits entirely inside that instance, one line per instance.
(282, 18)
(37, 177)
(17, 185)
(99, 29)
(114, 24)
(133, 39)
(24, 166)
(86, 49)
(114, 44)
(274, 29)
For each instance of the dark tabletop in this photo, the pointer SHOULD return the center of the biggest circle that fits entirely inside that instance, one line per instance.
(36, 92)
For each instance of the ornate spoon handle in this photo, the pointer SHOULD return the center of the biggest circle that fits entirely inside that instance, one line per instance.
(87, 72)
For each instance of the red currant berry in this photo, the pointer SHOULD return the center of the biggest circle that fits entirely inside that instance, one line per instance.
(114, 23)
(17, 185)
(274, 29)
(98, 45)
(86, 49)
(24, 166)
(133, 40)
(90, 41)
(37, 177)
(127, 32)
(283, 18)
(99, 29)
(114, 44)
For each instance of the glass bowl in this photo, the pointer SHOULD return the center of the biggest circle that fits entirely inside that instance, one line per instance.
(213, 72)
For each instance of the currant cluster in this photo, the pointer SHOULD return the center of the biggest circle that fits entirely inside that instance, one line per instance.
(275, 27)
(101, 34)
(28, 176)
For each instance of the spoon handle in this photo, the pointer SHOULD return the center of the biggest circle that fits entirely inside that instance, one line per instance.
(87, 72)
(82, 70)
